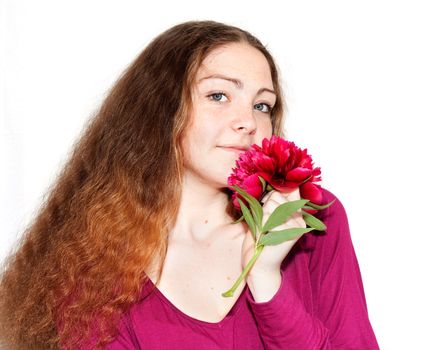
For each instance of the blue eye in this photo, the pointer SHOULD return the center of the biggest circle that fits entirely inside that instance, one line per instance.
(269, 107)
(216, 94)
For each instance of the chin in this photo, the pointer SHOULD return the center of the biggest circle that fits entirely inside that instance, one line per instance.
(223, 181)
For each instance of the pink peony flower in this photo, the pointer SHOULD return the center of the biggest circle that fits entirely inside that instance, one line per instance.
(283, 165)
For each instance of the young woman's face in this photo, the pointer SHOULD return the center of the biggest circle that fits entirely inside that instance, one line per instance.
(227, 113)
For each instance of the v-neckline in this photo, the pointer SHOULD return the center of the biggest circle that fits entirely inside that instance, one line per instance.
(234, 309)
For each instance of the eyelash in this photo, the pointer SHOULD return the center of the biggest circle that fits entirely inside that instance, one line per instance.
(223, 93)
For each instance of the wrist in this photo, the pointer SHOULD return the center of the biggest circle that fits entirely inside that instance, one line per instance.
(258, 271)
(264, 284)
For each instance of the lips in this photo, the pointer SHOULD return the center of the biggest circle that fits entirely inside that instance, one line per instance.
(237, 147)
(235, 151)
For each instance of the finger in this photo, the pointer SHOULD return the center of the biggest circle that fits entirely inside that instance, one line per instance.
(267, 196)
(277, 195)
(294, 195)
(270, 205)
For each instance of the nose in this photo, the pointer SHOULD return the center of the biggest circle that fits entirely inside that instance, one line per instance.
(244, 119)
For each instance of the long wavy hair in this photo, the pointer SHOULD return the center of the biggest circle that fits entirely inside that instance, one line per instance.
(80, 262)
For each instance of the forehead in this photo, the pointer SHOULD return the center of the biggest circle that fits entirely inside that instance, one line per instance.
(241, 61)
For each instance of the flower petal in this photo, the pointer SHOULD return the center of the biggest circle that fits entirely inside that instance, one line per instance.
(298, 174)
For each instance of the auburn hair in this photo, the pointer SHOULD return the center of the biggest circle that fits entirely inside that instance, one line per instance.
(79, 264)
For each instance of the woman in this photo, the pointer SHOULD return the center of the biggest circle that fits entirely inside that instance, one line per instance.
(145, 192)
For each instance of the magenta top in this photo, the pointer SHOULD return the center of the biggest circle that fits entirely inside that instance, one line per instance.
(320, 304)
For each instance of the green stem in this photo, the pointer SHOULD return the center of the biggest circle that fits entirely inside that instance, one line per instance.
(230, 292)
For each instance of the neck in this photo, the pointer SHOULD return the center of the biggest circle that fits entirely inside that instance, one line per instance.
(202, 213)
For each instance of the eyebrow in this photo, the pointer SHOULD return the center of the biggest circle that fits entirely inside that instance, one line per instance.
(237, 82)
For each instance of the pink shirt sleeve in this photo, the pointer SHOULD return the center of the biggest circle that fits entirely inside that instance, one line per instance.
(340, 318)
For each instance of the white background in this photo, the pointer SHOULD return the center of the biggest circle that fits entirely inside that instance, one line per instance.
(366, 86)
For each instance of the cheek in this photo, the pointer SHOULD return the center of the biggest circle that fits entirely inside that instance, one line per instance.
(204, 136)
(209, 131)
(267, 129)
(264, 131)
(189, 142)
(271, 128)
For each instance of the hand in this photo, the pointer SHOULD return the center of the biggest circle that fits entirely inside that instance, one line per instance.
(271, 257)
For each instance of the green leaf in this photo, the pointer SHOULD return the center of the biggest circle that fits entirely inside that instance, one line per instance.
(313, 221)
(249, 219)
(315, 206)
(263, 182)
(277, 237)
(282, 213)
(307, 207)
(254, 204)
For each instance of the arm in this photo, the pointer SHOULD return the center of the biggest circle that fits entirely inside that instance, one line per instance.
(340, 319)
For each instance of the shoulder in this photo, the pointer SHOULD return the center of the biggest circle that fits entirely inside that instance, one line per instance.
(335, 218)
(333, 214)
